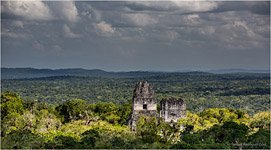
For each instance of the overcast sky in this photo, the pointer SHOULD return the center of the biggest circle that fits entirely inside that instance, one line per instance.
(114, 36)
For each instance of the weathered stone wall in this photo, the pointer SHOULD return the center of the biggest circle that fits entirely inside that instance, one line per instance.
(172, 109)
(143, 102)
(150, 104)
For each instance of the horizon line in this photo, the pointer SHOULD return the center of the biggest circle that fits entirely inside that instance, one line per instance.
(140, 70)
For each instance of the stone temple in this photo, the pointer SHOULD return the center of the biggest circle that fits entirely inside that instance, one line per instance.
(144, 103)
(172, 109)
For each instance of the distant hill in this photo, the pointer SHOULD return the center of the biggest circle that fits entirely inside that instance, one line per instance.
(26, 73)
(19, 73)
(223, 71)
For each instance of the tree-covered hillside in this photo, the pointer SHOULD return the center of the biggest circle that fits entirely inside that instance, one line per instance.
(76, 112)
(200, 90)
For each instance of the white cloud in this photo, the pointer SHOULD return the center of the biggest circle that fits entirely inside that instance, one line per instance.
(104, 29)
(245, 25)
(163, 21)
(195, 6)
(192, 19)
(65, 10)
(139, 19)
(39, 10)
(68, 33)
(189, 6)
(31, 10)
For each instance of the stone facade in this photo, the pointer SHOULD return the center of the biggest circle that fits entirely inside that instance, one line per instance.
(144, 103)
(172, 109)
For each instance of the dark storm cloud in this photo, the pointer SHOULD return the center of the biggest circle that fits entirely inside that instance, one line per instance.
(152, 6)
(254, 7)
(168, 35)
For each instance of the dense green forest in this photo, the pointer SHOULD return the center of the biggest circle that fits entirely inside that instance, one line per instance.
(79, 124)
(223, 111)
(200, 90)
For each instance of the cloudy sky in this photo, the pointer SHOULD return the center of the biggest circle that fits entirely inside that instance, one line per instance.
(134, 35)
